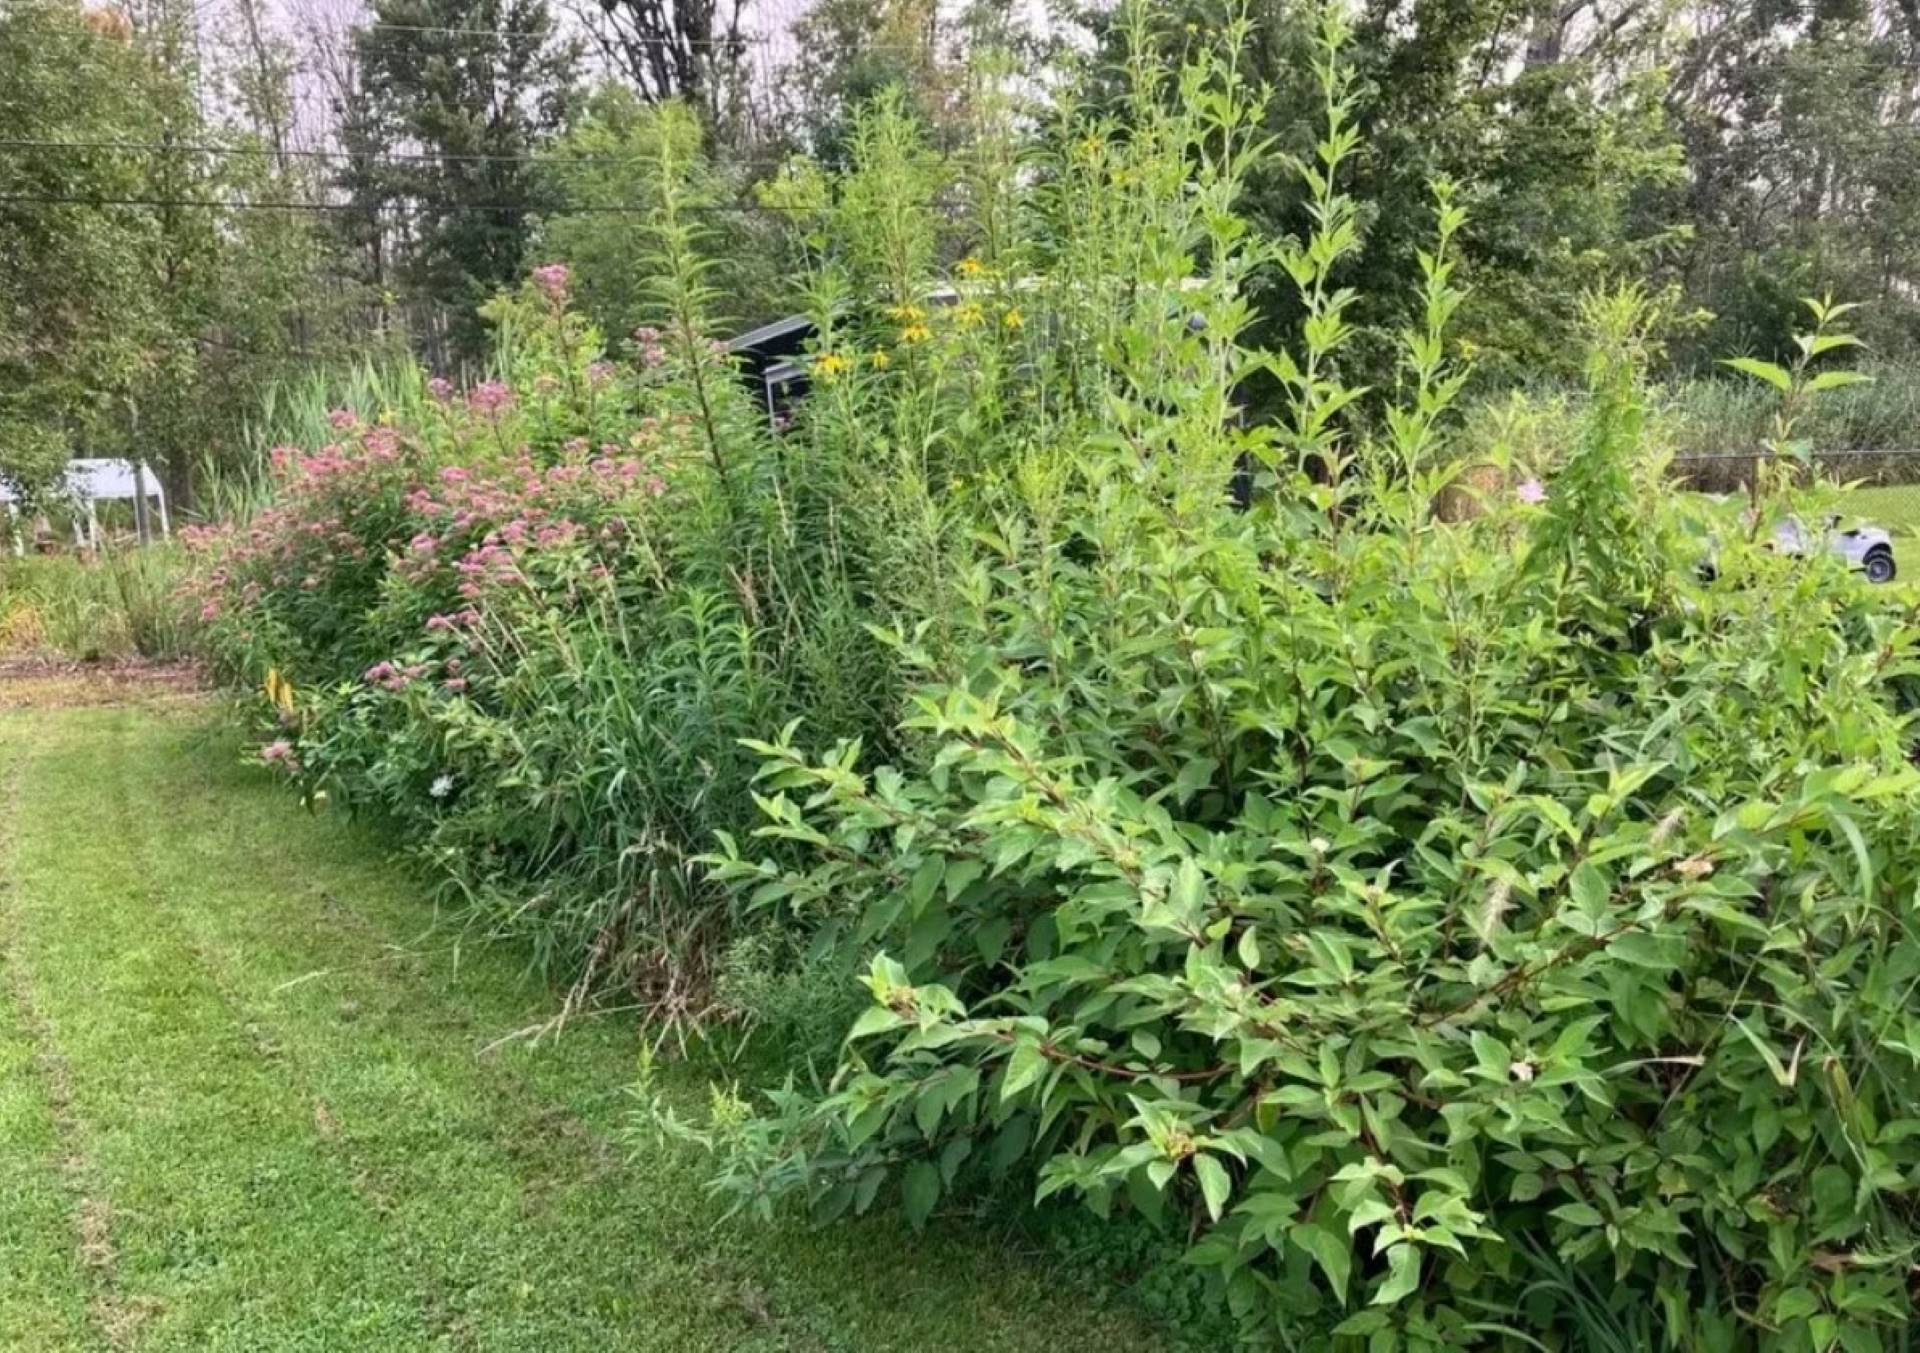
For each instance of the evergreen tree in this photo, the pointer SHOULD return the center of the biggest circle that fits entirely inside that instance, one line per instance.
(454, 99)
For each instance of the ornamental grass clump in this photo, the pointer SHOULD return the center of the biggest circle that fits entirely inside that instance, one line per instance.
(1474, 933)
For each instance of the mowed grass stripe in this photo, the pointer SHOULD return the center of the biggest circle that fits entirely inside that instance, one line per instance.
(536, 1234)
(228, 1224)
(502, 1211)
(43, 1288)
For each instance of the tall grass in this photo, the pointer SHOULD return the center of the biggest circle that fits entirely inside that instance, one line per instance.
(1530, 429)
(125, 602)
(293, 412)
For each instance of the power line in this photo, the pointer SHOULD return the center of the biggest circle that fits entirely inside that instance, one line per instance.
(405, 157)
(742, 40)
(243, 204)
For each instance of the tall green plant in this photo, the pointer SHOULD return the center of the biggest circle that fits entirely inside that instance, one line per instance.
(1374, 899)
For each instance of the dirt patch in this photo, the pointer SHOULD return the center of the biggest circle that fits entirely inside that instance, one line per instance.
(52, 683)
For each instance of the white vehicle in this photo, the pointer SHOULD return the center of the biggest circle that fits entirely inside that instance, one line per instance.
(1864, 549)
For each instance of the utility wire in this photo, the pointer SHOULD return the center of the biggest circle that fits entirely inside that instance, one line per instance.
(744, 39)
(241, 204)
(405, 157)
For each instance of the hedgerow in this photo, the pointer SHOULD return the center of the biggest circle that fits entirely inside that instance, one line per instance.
(1468, 933)
(1434, 894)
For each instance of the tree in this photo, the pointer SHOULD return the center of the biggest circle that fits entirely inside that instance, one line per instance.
(151, 282)
(614, 155)
(81, 316)
(454, 99)
(1800, 120)
(694, 50)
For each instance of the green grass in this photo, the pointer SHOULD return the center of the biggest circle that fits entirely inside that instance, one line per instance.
(1894, 507)
(244, 1104)
(124, 602)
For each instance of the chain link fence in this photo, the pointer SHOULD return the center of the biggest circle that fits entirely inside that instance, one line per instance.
(1884, 486)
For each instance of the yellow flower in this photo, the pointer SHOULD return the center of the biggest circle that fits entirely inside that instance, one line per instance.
(906, 314)
(831, 366)
(880, 360)
(969, 267)
(968, 316)
(915, 333)
(1091, 146)
(1013, 319)
(279, 690)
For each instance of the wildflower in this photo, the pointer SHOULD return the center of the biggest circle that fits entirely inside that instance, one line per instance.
(342, 419)
(906, 314)
(276, 751)
(1013, 320)
(552, 278)
(441, 787)
(969, 267)
(545, 384)
(880, 359)
(599, 373)
(646, 335)
(454, 684)
(915, 333)
(831, 366)
(210, 611)
(1531, 492)
(652, 355)
(969, 316)
(489, 397)
(440, 389)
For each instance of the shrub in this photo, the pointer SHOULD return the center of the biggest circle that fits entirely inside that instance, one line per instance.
(1442, 923)
(513, 626)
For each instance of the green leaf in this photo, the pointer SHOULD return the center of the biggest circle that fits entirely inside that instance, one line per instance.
(919, 1191)
(1837, 380)
(1403, 1275)
(1329, 1251)
(1772, 374)
(1774, 1064)
(874, 1019)
(1025, 1067)
(1796, 1303)
(1215, 1185)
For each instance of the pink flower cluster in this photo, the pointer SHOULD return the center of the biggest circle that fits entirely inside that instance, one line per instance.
(490, 398)
(280, 753)
(392, 677)
(553, 278)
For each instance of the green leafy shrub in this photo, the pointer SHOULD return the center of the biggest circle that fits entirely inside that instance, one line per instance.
(1443, 923)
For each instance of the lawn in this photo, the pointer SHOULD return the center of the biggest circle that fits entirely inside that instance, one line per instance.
(245, 1104)
(1894, 507)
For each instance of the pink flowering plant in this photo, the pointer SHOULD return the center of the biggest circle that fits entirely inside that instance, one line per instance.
(517, 624)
